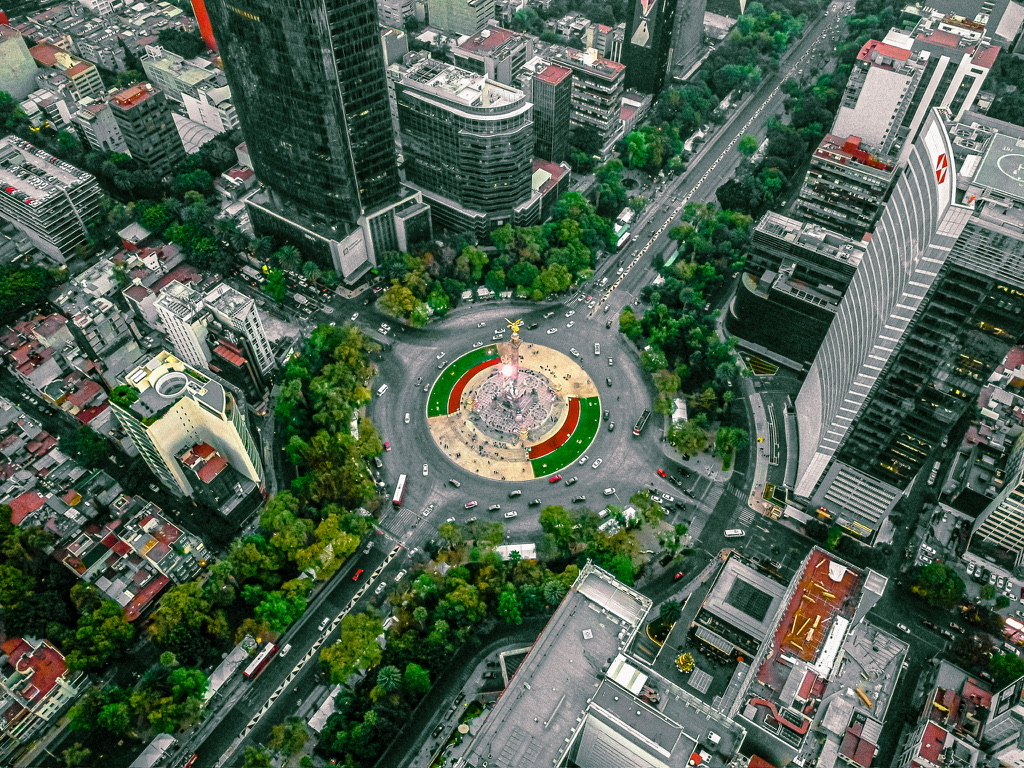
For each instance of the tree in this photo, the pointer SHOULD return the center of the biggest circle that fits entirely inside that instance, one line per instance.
(451, 533)
(938, 584)
(276, 286)
(510, 607)
(416, 679)
(75, 756)
(729, 439)
(184, 43)
(747, 145)
(288, 738)
(684, 662)
(670, 612)
(103, 633)
(987, 592)
(389, 678)
(257, 757)
(356, 649)
(688, 437)
(1005, 668)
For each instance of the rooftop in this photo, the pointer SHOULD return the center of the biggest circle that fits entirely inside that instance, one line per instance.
(229, 301)
(873, 49)
(33, 176)
(489, 39)
(813, 236)
(455, 84)
(132, 96)
(553, 74)
(1002, 168)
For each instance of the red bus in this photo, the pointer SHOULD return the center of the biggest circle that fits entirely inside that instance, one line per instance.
(260, 660)
(399, 491)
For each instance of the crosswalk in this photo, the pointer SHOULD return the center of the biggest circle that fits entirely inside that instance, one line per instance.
(747, 516)
(400, 522)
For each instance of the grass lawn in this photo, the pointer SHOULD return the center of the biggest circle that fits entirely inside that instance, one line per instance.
(579, 441)
(437, 404)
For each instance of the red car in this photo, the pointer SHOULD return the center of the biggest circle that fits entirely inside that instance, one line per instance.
(679, 575)
(554, 478)
(662, 473)
(387, 446)
(358, 574)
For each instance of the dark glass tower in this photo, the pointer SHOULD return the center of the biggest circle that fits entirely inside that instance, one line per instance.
(307, 78)
(648, 43)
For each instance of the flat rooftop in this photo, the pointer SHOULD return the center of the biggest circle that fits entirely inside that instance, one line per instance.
(34, 176)
(489, 39)
(455, 84)
(814, 237)
(745, 598)
(1002, 167)
(535, 719)
(228, 300)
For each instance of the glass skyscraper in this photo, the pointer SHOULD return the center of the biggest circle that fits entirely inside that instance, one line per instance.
(308, 81)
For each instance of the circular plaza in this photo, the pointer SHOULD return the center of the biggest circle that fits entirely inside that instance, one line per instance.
(513, 410)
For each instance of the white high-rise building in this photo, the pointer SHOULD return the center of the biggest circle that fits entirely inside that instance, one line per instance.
(184, 318)
(172, 407)
(239, 313)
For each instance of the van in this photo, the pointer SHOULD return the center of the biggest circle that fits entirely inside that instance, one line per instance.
(381, 390)
(284, 651)
(734, 533)
(597, 349)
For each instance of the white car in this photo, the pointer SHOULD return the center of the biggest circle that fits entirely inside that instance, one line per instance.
(470, 504)
(440, 355)
(552, 330)
(355, 316)
(570, 324)
(326, 620)
(426, 469)
(481, 324)
(597, 463)
(407, 418)
(575, 352)
(609, 491)
(511, 513)
(401, 575)
(903, 628)
(380, 588)
(570, 313)
(450, 520)
(583, 459)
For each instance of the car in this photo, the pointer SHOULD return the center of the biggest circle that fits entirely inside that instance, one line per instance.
(387, 446)
(489, 675)
(605, 415)
(668, 498)
(450, 520)
(1000, 582)
(609, 491)
(597, 348)
(440, 355)
(535, 503)
(441, 365)
(400, 575)
(662, 473)
(454, 483)
(734, 533)
(611, 426)
(426, 469)
(570, 313)
(407, 418)
(355, 316)
(572, 481)
(385, 326)
(471, 504)
(515, 494)
(903, 628)
(679, 575)
(481, 324)
(597, 463)
(554, 478)
(992, 579)
(494, 507)
(930, 625)
(192, 760)
(608, 324)
(574, 352)
(570, 324)
(947, 634)
(437, 731)
(367, 548)
(578, 499)
(583, 459)
(323, 623)
(551, 330)
(548, 314)
(970, 568)
(357, 575)
(620, 270)
(511, 513)
(608, 382)
(472, 520)
(377, 462)
(606, 307)
(476, 345)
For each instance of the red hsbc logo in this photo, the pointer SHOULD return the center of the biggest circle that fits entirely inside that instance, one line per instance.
(941, 168)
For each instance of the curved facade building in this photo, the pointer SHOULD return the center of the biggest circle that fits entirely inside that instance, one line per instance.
(309, 85)
(467, 142)
(911, 243)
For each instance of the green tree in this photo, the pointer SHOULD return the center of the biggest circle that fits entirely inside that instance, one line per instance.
(184, 43)
(670, 612)
(1005, 668)
(510, 606)
(389, 678)
(276, 286)
(748, 145)
(416, 679)
(689, 437)
(987, 592)
(257, 757)
(356, 649)
(76, 756)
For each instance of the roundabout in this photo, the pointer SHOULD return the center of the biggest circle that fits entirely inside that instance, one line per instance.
(513, 411)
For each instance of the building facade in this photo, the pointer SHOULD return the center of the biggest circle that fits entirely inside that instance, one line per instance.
(495, 52)
(97, 127)
(460, 17)
(178, 408)
(17, 67)
(239, 314)
(145, 120)
(83, 77)
(934, 307)
(212, 107)
(549, 88)
(175, 76)
(183, 317)
(468, 144)
(648, 44)
(687, 36)
(49, 200)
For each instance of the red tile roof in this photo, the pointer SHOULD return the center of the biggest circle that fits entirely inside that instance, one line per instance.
(487, 40)
(553, 74)
(940, 37)
(226, 353)
(932, 741)
(203, 450)
(24, 505)
(85, 393)
(877, 46)
(211, 469)
(986, 57)
(142, 599)
(86, 415)
(45, 664)
(132, 96)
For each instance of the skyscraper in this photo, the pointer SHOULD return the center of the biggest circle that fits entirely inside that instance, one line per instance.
(687, 35)
(468, 145)
(460, 17)
(308, 82)
(932, 310)
(145, 120)
(648, 44)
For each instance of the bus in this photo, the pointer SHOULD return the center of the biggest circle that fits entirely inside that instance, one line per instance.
(399, 496)
(641, 423)
(260, 660)
(623, 239)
